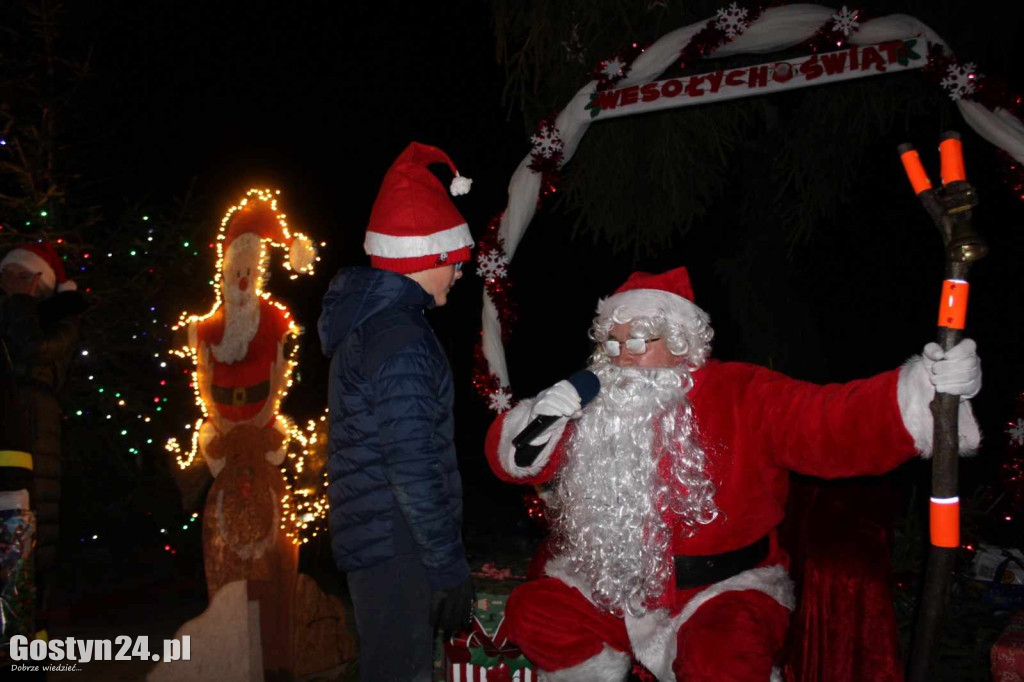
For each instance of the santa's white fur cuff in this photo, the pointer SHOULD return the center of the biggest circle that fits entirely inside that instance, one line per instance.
(516, 420)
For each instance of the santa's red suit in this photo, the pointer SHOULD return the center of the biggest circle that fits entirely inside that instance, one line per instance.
(755, 426)
(241, 389)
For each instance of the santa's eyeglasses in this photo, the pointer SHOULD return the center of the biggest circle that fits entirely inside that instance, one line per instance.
(634, 346)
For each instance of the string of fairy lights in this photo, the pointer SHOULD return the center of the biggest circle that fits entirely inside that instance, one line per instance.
(304, 504)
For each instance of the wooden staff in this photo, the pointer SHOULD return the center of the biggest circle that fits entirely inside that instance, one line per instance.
(950, 207)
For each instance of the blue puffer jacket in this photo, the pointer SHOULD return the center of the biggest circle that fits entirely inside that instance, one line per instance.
(394, 484)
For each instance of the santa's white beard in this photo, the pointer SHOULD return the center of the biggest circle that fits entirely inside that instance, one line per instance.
(611, 499)
(241, 320)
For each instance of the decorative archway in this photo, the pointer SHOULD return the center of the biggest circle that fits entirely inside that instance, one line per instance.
(840, 47)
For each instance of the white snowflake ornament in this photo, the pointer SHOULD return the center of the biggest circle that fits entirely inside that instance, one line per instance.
(500, 400)
(960, 80)
(614, 68)
(546, 142)
(732, 20)
(845, 21)
(492, 264)
(1017, 433)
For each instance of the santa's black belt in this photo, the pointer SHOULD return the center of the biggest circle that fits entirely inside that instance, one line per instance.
(240, 395)
(696, 571)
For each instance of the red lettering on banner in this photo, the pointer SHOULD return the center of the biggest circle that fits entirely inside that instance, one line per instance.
(834, 62)
(649, 92)
(854, 64)
(715, 80)
(811, 69)
(892, 50)
(609, 99)
(735, 77)
(671, 88)
(782, 72)
(872, 58)
(758, 77)
(629, 95)
(693, 86)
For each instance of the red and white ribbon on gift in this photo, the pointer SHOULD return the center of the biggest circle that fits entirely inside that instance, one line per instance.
(634, 89)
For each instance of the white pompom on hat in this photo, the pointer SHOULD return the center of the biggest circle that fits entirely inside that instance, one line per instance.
(41, 257)
(414, 225)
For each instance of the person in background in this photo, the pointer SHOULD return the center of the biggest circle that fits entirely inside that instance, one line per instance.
(39, 310)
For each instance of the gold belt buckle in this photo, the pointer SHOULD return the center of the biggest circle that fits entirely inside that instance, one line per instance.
(238, 396)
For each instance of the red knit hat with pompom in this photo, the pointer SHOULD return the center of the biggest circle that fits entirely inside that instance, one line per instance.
(414, 225)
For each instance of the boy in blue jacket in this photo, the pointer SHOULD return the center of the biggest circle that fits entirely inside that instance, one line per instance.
(394, 486)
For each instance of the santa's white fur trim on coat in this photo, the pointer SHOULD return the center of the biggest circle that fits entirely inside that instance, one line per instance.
(443, 241)
(650, 303)
(915, 392)
(516, 420)
(654, 635)
(557, 567)
(608, 666)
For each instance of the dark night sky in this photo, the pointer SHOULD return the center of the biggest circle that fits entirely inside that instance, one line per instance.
(315, 98)
(318, 98)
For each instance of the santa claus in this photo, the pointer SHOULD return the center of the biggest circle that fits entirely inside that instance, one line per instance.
(669, 486)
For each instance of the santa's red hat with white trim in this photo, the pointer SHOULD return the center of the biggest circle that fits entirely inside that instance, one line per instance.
(41, 257)
(414, 226)
(260, 217)
(667, 294)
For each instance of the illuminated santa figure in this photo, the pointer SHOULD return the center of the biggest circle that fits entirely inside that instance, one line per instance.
(242, 373)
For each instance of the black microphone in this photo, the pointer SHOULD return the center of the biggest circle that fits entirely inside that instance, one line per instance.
(587, 386)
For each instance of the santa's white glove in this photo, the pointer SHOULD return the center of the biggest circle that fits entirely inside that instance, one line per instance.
(560, 400)
(956, 372)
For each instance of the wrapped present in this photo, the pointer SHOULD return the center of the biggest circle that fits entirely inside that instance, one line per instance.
(996, 578)
(483, 653)
(998, 564)
(1007, 655)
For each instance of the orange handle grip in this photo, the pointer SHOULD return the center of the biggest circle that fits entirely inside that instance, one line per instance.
(915, 171)
(944, 522)
(953, 305)
(952, 152)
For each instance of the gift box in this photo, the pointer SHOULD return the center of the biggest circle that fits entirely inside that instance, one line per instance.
(1007, 654)
(996, 578)
(483, 652)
